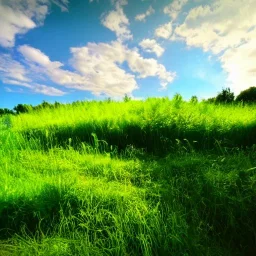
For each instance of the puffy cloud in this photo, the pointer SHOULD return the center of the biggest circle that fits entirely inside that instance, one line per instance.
(149, 67)
(19, 16)
(97, 68)
(174, 8)
(101, 63)
(164, 31)
(214, 29)
(229, 35)
(142, 16)
(150, 45)
(117, 22)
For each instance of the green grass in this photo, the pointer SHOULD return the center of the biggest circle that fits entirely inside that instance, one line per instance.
(153, 125)
(128, 179)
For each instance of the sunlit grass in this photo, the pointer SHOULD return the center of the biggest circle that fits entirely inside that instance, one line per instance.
(66, 189)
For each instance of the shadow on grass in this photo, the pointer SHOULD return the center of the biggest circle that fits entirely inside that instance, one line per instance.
(159, 141)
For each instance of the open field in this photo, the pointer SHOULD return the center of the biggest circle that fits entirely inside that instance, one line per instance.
(159, 177)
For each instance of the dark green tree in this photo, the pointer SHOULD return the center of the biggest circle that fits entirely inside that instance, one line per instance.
(22, 108)
(177, 97)
(211, 100)
(194, 99)
(225, 96)
(127, 98)
(5, 111)
(57, 104)
(248, 96)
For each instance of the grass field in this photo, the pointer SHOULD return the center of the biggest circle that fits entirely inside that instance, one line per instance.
(154, 177)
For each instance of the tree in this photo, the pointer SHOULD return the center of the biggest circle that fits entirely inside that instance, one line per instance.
(177, 97)
(127, 98)
(248, 95)
(57, 104)
(225, 96)
(5, 111)
(194, 99)
(22, 108)
(211, 100)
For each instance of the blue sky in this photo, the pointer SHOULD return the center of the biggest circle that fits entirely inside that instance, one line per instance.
(60, 50)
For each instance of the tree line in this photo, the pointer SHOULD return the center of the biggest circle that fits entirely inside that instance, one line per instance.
(223, 97)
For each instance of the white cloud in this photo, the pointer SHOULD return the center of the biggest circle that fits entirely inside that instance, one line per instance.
(36, 56)
(47, 90)
(20, 16)
(97, 68)
(102, 60)
(228, 34)
(117, 22)
(14, 73)
(150, 45)
(174, 8)
(142, 16)
(101, 63)
(240, 64)
(164, 31)
(11, 69)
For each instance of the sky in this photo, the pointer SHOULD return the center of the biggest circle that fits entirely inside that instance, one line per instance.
(68, 50)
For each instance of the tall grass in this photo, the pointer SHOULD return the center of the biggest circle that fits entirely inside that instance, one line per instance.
(154, 124)
(66, 190)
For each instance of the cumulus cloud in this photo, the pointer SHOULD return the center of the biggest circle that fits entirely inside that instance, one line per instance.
(101, 62)
(20, 16)
(142, 16)
(150, 45)
(229, 35)
(97, 68)
(174, 8)
(164, 31)
(117, 21)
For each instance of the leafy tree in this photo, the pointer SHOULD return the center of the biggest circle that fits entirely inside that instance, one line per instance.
(211, 100)
(109, 100)
(5, 111)
(225, 96)
(194, 99)
(46, 104)
(127, 98)
(22, 108)
(57, 104)
(248, 95)
(177, 97)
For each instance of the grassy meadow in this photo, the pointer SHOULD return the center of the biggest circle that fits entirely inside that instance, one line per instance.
(153, 177)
